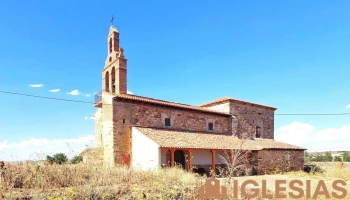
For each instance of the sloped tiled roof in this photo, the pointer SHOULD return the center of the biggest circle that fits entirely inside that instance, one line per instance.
(201, 140)
(223, 99)
(167, 103)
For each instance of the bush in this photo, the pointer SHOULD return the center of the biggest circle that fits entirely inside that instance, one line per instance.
(337, 159)
(58, 158)
(313, 169)
(346, 157)
(76, 159)
(2, 164)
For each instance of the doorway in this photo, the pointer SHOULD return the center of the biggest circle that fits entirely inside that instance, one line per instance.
(179, 158)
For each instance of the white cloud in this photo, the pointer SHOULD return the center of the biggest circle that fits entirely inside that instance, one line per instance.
(347, 106)
(306, 135)
(36, 85)
(55, 90)
(87, 95)
(38, 148)
(74, 92)
(294, 133)
(331, 134)
(86, 117)
(129, 92)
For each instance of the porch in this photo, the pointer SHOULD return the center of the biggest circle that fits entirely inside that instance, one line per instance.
(201, 161)
(156, 147)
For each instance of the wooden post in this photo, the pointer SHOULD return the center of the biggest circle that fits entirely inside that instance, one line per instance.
(172, 163)
(190, 160)
(213, 161)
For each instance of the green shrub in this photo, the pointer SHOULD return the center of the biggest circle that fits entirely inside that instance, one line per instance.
(58, 158)
(316, 169)
(76, 159)
(337, 159)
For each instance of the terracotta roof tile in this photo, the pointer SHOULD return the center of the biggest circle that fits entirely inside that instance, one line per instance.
(223, 99)
(201, 140)
(167, 103)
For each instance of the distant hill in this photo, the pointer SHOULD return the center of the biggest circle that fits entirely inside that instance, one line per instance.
(334, 153)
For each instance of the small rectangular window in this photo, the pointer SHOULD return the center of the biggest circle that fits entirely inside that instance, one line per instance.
(167, 121)
(210, 126)
(287, 157)
(258, 134)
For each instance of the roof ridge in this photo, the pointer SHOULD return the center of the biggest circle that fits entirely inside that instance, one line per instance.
(227, 98)
(168, 103)
(160, 100)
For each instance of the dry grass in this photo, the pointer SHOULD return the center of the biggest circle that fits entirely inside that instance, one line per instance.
(330, 172)
(93, 156)
(85, 181)
(80, 181)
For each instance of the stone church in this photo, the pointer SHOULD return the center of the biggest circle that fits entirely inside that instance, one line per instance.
(148, 133)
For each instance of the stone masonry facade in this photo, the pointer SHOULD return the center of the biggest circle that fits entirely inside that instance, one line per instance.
(127, 114)
(251, 118)
(271, 160)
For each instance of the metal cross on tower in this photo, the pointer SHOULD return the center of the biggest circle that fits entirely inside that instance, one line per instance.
(112, 20)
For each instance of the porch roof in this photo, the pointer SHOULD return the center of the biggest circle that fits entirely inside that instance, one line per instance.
(169, 138)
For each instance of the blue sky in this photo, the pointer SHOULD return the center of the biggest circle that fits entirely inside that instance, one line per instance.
(293, 55)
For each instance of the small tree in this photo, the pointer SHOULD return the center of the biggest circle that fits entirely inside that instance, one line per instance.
(307, 157)
(237, 161)
(58, 158)
(328, 156)
(49, 159)
(306, 154)
(337, 159)
(76, 159)
(346, 157)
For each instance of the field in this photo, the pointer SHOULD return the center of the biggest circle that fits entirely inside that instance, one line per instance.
(79, 181)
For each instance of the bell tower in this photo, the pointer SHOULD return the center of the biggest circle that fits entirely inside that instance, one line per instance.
(114, 73)
(114, 82)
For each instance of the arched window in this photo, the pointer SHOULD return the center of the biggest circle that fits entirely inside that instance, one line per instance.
(107, 82)
(116, 42)
(110, 45)
(113, 79)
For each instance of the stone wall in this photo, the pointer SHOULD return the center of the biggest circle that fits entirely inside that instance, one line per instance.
(127, 114)
(250, 117)
(108, 129)
(98, 127)
(272, 161)
(154, 116)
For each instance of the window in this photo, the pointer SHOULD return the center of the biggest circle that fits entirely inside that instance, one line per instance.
(210, 126)
(287, 156)
(113, 79)
(258, 132)
(107, 81)
(167, 121)
(110, 45)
